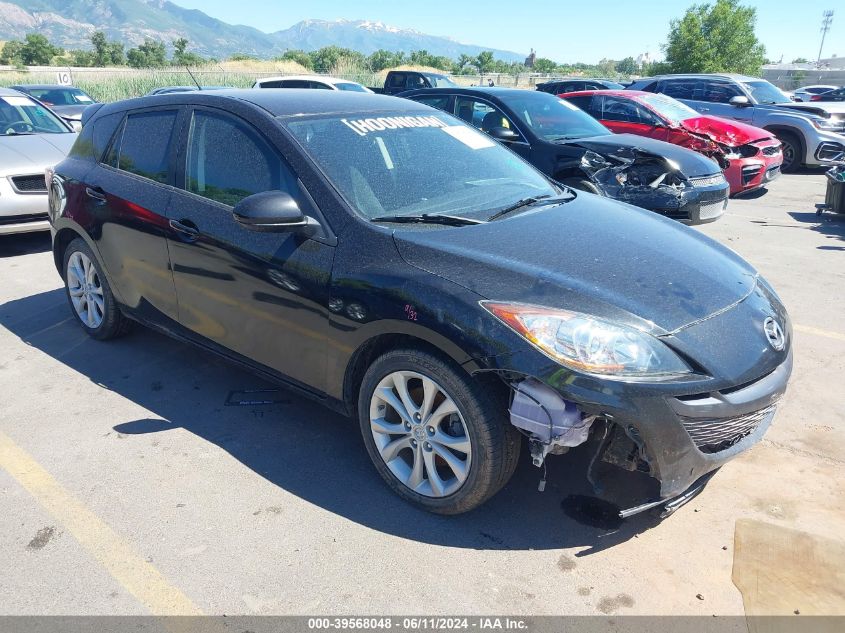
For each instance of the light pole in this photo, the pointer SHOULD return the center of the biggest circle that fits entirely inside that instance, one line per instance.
(827, 20)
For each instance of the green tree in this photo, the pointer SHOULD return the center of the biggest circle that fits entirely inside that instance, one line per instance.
(485, 62)
(326, 58)
(382, 59)
(715, 38)
(181, 57)
(82, 59)
(35, 50)
(465, 64)
(627, 66)
(150, 54)
(11, 53)
(544, 66)
(300, 57)
(107, 53)
(800, 60)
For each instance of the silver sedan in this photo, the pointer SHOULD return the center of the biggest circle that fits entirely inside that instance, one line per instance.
(32, 138)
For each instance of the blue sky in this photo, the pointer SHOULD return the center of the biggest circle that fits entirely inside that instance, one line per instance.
(562, 30)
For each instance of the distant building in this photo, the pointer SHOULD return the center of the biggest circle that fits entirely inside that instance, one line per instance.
(643, 59)
(529, 61)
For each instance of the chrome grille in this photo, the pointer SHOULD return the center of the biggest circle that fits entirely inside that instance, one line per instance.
(706, 181)
(34, 183)
(715, 435)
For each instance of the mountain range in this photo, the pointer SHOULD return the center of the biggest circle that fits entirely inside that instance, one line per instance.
(69, 23)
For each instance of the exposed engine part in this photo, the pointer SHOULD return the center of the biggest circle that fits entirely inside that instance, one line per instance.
(626, 450)
(638, 177)
(552, 423)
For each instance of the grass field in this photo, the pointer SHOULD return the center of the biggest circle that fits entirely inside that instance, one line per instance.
(113, 84)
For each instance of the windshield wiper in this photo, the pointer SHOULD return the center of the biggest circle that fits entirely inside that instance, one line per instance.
(428, 218)
(527, 202)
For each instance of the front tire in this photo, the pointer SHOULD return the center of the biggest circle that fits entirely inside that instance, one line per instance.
(89, 295)
(438, 437)
(791, 152)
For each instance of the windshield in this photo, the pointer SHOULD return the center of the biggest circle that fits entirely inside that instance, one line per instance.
(22, 115)
(61, 96)
(351, 87)
(440, 81)
(416, 163)
(553, 119)
(669, 108)
(765, 93)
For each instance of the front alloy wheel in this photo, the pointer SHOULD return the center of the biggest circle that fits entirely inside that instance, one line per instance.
(439, 437)
(420, 434)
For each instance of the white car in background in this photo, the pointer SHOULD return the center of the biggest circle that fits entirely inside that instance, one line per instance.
(32, 138)
(319, 82)
(804, 94)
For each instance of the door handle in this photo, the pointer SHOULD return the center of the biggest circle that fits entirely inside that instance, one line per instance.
(190, 232)
(96, 193)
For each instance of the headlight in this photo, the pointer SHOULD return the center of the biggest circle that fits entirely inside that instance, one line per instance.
(830, 125)
(589, 344)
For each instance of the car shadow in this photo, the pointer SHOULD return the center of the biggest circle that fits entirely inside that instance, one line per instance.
(831, 225)
(24, 243)
(306, 449)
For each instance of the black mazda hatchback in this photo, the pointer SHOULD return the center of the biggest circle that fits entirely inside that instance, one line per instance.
(392, 262)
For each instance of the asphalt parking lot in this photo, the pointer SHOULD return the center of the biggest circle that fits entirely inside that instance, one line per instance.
(133, 482)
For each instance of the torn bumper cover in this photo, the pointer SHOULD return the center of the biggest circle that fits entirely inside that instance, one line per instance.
(657, 183)
(675, 437)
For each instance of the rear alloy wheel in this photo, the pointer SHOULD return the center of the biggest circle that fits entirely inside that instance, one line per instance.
(791, 152)
(438, 437)
(89, 294)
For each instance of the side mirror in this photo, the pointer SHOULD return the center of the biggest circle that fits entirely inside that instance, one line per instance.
(75, 124)
(739, 101)
(271, 211)
(503, 134)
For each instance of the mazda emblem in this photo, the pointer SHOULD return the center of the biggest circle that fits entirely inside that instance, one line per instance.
(774, 334)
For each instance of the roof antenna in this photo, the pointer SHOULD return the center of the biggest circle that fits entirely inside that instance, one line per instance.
(192, 77)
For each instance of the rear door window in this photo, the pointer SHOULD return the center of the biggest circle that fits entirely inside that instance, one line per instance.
(144, 145)
(683, 89)
(720, 92)
(441, 102)
(227, 160)
(585, 103)
(482, 115)
(625, 110)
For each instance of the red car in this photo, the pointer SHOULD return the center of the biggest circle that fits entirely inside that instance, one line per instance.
(749, 156)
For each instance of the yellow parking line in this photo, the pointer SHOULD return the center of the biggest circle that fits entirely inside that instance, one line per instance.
(818, 332)
(135, 574)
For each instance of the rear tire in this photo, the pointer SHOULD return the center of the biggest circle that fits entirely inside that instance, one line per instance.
(89, 294)
(792, 152)
(472, 451)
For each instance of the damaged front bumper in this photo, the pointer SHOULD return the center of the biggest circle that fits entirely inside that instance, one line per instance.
(655, 183)
(661, 430)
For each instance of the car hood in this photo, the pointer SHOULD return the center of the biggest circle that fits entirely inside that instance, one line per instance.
(692, 163)
(591, 255)
(730, 133)
(70, 111)
(33, 152)
(817, 107)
